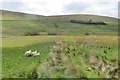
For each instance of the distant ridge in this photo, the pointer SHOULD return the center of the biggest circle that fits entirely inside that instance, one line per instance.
(32, 16)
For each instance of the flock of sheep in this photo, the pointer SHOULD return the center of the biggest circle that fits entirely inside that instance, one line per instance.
(30, 53)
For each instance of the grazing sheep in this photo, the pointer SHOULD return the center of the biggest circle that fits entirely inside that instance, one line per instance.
(36, 54)
(28, 53)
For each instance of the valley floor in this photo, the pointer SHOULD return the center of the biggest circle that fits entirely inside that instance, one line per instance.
(61, 57)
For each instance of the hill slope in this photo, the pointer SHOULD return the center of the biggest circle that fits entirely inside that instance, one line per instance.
(17, 24)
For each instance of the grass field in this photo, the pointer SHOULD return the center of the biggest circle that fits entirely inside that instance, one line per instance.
(15, 64)
(67, 50)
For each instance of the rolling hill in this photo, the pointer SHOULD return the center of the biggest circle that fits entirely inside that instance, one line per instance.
(23, 24)
(66, 50)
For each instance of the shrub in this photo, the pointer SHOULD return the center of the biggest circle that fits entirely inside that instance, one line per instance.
(88, 22)
(31, 33)
(87, 33)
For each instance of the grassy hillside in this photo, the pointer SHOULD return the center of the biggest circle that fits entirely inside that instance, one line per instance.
(9, 15)
(15, 23)
(79, 52)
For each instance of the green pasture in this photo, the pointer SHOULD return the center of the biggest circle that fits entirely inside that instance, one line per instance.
(21, 24)
(22, 32)
(16, 28)
(16, 65)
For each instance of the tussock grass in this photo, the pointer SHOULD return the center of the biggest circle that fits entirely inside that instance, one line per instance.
(72, 58)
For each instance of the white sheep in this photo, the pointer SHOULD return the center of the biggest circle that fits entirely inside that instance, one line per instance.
(28, 53)
(36, 54)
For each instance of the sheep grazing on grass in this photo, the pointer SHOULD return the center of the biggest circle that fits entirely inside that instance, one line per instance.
(30, 53)
(36, 54)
